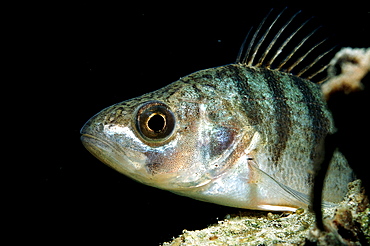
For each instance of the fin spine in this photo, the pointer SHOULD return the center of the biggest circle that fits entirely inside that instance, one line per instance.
(249, 57)
(260, 62)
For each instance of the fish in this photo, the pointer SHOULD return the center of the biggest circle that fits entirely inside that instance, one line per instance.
(249, 134)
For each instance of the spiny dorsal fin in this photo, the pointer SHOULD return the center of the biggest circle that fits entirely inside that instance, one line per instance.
(248, 57)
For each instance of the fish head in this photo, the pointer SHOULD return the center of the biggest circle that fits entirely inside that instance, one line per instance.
(172, 142)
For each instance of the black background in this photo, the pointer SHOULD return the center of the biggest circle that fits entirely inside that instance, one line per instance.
(74, 59)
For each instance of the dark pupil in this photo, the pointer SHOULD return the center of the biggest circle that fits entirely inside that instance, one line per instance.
(156, 123)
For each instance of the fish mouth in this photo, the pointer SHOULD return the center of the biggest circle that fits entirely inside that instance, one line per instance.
(97, 144)
(94, 144)
(115, 157)
(100, 148)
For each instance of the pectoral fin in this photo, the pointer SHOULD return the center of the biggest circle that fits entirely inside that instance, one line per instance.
(272, 195)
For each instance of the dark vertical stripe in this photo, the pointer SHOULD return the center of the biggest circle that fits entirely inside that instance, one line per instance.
(319, 122)
(281, 114)
(249, 98)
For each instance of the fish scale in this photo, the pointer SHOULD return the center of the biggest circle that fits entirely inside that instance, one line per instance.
(269, 110)
(239, 135)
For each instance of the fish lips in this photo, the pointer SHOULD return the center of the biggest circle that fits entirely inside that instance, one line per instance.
(100, 146)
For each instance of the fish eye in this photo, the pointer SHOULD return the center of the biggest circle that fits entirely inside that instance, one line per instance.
(155, 121)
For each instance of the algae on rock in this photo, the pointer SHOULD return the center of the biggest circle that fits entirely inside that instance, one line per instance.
(348, 224)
